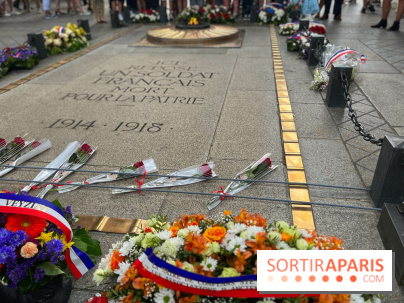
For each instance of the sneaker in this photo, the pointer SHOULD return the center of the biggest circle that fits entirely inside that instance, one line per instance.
(49, 17)
(6, 14)
(14, 12)
(85, 13)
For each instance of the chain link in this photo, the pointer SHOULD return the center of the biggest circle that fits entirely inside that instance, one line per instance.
(354, 117)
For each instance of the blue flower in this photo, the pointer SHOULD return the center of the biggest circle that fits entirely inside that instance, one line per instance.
(54, 248)
(4, 235)
(39, 274)
(6, 253)
(17, 238)
(17, 274)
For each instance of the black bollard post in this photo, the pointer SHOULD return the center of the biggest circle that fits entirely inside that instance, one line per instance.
(335, 90)
(115, 23)
(391, 226)
(254, 13)
(316, 49)
(388, 180)
(126, 15)
(37, 41)
(295, 16)
(304, 25)
(86, 26)
(163, 14)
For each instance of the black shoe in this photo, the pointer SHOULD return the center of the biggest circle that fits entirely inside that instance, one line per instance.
(371, 8)
(395, 27)
(382, 23)
(363, 11)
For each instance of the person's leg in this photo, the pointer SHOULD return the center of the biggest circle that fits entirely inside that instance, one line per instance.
(337, 9)
(235, 7)
(385, 13)
(96, 10)
(327, 5)
(399, 15)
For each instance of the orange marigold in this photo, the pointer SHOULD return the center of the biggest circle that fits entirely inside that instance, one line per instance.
(195, 243)
(116, 259)
(31, 225)
(216, 233)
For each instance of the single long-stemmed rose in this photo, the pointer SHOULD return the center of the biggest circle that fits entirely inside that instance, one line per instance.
(254, 171)
(3, 143)
(76, 160)
(140, 167)
(13, 148)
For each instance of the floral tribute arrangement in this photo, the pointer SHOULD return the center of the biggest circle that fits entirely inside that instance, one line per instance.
(272, 14)
(295, 41)
(145, 16)
(60, 39)
(215, 14)
(290, 28)
(38, 243)
(291, 6)
(186, 262)
(20, 57)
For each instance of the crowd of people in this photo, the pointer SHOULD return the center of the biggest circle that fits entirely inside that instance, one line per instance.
(97, 7)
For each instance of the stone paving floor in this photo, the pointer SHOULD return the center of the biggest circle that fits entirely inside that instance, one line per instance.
(234, 121)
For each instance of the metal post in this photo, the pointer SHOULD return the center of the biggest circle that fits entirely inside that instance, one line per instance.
(37, 41)
(335, 90)
(126, 15)
(391, 226)
(253, 13)
(163, 14)
(316, 49)
(388, 180)
(115, 23)
(295, 16)
(86, 26)
(304, 25)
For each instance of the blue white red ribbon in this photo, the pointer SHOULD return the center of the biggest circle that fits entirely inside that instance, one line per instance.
(338, 55)
(60, 30)
(170, 276)
(78, 262)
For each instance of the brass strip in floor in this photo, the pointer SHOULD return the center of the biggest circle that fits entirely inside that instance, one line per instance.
(64, 61)
(302, 214)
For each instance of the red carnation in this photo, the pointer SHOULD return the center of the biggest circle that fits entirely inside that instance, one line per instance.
(2, 142)
(86, 148)
(226, 16)
(219, 14)
(212, 16)
(138, 164)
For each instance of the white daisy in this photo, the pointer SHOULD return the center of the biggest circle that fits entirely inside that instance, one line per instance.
(252, 231)
(164, 235)
(165, 295)
(209, 264)
(237, 228)
(235, 244)
(127, 246)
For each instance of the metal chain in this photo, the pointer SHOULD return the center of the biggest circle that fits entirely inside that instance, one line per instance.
(318, 51)
(354, 117)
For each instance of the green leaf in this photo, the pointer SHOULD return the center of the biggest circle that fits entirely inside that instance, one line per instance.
(92, 258)
(51, 269)
(57, 203)
(93, 248)
(80, 245)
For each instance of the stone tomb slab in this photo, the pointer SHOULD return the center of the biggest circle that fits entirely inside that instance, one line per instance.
(134, 107)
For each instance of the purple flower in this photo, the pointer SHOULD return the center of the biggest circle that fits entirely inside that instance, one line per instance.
(39, 274)
(17, 238)
(17, 274)
(6, 254)
(54, 248)
(4, 235)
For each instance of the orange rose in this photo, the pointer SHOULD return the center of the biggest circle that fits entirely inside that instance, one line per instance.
(215, 234)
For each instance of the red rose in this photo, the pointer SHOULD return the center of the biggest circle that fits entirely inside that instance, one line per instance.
(219, 14)
(35, 144)
(212, 16)
(226, 16)
(2, 142)
(18, 141)
(142, 10)
(206, 170)
(86, 148)
(202, 10)
(138, 164)
(267, 160)
(149, 12)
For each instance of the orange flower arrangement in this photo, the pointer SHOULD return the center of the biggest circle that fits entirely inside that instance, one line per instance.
(249, 220)
(31, 225)
(174, 230)
(259, 244)
(116, 259)
(241, 260)
(216, 233)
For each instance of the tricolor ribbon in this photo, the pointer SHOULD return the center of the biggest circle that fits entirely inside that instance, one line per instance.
(177, 279)
(60, 30)
(221, 191)
(339, 54)
(78, 262)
